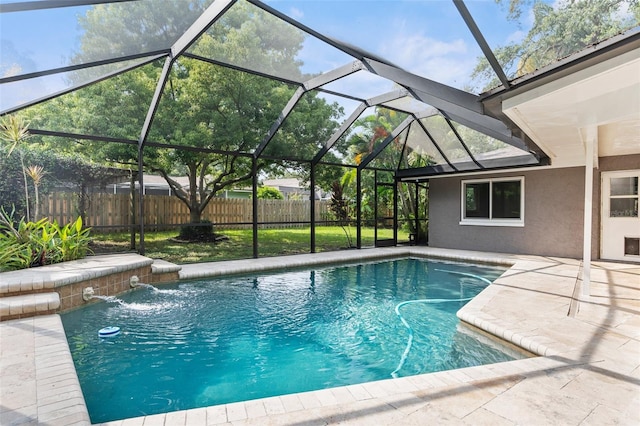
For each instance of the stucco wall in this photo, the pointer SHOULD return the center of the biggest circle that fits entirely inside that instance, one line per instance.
(554, 212)
(554, 206)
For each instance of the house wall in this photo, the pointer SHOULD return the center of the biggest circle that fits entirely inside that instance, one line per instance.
(554, 212)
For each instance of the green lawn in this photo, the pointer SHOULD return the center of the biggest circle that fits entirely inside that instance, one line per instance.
(271, 242)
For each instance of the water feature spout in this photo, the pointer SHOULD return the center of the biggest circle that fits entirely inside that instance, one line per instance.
(87, 293)
(133, 281)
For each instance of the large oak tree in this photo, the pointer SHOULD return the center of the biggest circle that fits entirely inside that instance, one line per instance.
(222, 111)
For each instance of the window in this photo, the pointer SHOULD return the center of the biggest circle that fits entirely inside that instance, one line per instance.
(493, 202)
(624, 197)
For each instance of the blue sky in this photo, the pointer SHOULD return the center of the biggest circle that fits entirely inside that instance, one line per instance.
(427, 37)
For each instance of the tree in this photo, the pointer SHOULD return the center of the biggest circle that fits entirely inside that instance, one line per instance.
(203, 106)
(369, 132)
(559, 29)
(341, 210)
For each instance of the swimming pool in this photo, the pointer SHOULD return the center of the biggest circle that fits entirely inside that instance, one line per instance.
(222, 340)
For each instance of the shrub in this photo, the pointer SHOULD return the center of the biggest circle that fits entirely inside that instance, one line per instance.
(269, 193)
(196, 231)
(27, 244)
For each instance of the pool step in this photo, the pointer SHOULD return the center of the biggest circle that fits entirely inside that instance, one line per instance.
(163, 271)
(28, 305)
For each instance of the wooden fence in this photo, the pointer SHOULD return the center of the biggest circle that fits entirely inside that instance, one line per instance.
(165, 212)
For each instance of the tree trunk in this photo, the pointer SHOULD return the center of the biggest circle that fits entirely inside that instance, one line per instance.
(195, 215)
(407, 205)
(195, 212)
(37, 203)
(82, 202)
(26, 184)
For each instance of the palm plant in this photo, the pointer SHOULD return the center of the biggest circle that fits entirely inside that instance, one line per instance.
(36, 173)
(14, 129)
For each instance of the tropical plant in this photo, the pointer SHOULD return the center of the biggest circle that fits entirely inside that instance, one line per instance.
(36, 173)
(72, 240)
(339, 207)
(27, 244)
(14, 130)
(13, 256)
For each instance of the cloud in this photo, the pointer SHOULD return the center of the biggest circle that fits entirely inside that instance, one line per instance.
(296, 13)
(362, 84)
(448, 62)
(10, 70)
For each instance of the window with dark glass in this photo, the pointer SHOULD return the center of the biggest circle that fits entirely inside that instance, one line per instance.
(493, 201)
(506, 200)
(477, 200)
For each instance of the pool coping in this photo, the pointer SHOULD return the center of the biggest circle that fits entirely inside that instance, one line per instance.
(39, 384)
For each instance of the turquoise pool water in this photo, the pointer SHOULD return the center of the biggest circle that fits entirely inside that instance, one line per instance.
(214, 341)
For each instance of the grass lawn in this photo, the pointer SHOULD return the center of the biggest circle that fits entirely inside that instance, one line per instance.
(239, 245)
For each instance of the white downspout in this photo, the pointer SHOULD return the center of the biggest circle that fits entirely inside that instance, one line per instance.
(590, 137)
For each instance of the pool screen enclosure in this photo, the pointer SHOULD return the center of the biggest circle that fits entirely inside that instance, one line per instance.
(297, 112)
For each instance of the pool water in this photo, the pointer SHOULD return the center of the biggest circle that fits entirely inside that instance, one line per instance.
(215, 341)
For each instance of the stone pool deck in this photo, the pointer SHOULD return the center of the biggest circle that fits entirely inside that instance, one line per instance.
(587, 371)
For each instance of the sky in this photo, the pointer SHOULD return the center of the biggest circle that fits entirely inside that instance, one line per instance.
(426, 37)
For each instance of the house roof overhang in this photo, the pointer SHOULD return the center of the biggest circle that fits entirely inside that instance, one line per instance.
(595, 90)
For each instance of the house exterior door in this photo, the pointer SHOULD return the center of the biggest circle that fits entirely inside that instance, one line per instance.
(620, 237)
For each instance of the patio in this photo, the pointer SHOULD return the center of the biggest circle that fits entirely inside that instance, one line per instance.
(587, 371)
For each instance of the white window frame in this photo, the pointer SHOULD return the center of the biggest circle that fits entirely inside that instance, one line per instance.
(491, 221)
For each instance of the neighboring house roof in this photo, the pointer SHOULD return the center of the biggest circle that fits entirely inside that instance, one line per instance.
(284, 182)
(155, 181)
